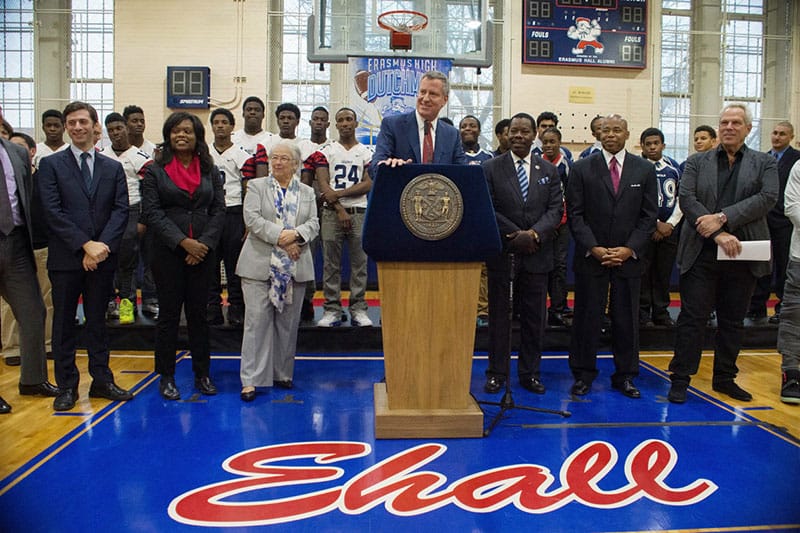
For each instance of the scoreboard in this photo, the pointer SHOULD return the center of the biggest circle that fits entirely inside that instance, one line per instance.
(595, 33)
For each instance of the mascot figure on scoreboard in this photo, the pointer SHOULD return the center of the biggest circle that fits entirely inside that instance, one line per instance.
(586, 32)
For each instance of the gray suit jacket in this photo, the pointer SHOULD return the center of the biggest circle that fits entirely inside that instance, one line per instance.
(756, 193)
(263, 232)
(22, 175)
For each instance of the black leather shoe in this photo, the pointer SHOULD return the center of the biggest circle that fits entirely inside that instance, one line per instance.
(168, 389)
(248, 396)
(13, 360)
(205, 386)
(65, 400)
(5, 408)
(42, 389)
(733, 390)
(627, 388)
(677, 392)
(493, 384)
(533, 385)
(109, 391)
(579, 388)
(284, 384)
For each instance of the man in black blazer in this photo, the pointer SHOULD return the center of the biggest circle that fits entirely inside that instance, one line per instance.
(85, 201)
(18, 283)
(780, 227)
(612, 204)
(528, 209)
(725, 196)
(402, 138)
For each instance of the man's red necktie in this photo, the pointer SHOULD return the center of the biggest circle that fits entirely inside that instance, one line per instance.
(427, 144)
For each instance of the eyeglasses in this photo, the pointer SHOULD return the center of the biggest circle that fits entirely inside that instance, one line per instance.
(282, 158)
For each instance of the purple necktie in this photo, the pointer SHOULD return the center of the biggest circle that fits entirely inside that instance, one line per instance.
(613, 168)
(6, 215)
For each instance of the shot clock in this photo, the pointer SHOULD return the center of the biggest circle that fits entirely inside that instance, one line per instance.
(596, 33)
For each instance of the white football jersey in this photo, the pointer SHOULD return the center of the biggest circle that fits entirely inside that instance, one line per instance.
(230, 163)
(347, 168)
(132, 160)
(250, 142)
(42, 150)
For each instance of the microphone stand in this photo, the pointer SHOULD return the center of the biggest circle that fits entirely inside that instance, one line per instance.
(507, 403)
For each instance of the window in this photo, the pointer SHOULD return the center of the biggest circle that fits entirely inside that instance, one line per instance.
(93, 54)
(16, 64)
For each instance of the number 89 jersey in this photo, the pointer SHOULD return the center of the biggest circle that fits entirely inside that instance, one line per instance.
(669, 178)
(347, 168)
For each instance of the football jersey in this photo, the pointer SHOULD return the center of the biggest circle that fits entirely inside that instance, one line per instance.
(476, 158)
(596, 147)
(148, 148)
(251, 142)
(230, 163)
(132, 161)
(347, 168)
(42, 150)
(669, 178)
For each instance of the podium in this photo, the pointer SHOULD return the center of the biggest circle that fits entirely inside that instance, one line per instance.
(429, 228)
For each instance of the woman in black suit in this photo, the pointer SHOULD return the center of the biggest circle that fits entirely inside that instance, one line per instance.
(183, 204)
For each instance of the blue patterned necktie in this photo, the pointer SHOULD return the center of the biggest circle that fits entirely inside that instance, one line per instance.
(523, 179)
(87, 174)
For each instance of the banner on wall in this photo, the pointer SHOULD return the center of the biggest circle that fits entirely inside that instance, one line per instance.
(385, 86)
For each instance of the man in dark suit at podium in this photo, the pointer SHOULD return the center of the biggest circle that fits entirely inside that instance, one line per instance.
(419, 137)
(85, 201)
(527, 198)
(612, 204)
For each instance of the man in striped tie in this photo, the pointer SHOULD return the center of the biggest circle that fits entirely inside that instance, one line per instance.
(527, 198)
(612, 203)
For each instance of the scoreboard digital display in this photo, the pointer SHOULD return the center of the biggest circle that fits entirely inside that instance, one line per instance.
(594, 33)
(188, 87)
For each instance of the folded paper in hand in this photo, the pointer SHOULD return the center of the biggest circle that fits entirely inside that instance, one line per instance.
(751, 251)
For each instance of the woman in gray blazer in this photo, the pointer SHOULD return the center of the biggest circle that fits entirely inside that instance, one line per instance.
(280, 214)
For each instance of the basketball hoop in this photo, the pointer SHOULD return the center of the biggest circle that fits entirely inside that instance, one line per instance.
(401, 24)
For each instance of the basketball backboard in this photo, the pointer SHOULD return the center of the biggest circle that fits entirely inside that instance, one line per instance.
(459, 30)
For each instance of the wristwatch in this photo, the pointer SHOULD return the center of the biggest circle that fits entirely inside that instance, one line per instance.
(722, 218)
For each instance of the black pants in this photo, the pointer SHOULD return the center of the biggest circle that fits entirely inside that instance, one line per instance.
(230, 246)
(181, 286)
(68, 286)
(530, 297)
(591, 294)
(710, 284)
(656, 273)
(557, 279)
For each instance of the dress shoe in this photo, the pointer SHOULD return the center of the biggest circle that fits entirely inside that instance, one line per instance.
(5, 408)
(248, 395)
(555, 320)
(65, 400)
(733, 390)
(13, 360)
(677, 391)
(494, 384)
(579, 388)
(284, 384)
(627, 388)
(168, 389)
(205, 386)
(533, 385)
(44, 388)
(109, 391)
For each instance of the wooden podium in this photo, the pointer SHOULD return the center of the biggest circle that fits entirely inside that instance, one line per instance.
(429, 295)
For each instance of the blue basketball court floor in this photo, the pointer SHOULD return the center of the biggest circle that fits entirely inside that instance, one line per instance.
(307, 460)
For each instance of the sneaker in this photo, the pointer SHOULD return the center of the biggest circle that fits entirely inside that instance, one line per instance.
(150, 309)
(126, 312)
(483, 321)
(112, 311)
(790, 389)
(360, 319)
(330, 319)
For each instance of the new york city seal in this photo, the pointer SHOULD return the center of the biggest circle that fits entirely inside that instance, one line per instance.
(431, 207)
